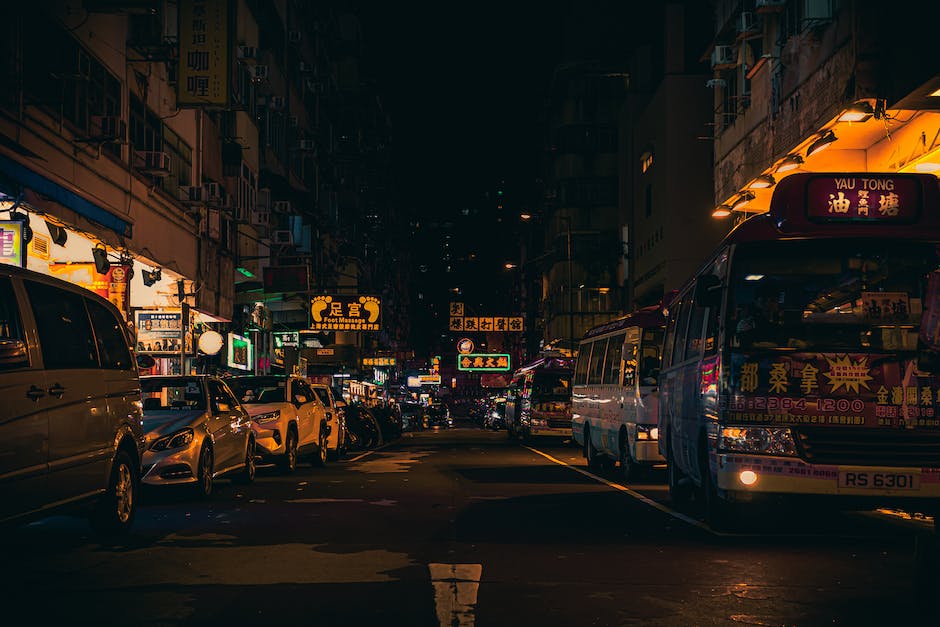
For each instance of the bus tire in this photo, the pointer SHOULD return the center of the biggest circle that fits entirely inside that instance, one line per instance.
(629, 469)
(680, 488)
(720, 514)
(594, 460)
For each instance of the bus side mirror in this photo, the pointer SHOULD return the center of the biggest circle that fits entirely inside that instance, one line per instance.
(928, 338)
(708, 291)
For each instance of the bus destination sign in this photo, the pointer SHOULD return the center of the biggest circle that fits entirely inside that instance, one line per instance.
(866, 198)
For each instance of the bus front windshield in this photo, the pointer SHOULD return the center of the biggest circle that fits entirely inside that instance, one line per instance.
(834, 295)
(552, 386)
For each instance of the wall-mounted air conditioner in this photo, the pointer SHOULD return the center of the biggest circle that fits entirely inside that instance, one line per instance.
(152, 162)
(260, 217)
(723, 56)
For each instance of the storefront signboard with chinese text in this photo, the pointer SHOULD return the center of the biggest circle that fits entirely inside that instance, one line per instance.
(483, 362)
(343, 312)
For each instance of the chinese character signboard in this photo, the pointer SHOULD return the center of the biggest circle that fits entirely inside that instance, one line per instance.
(346, 313)
(204, 65)
(111, 285)
(483, 362)
(378, 361)
(158, 331)
(867, 198)
(456, 309)
(11, 243)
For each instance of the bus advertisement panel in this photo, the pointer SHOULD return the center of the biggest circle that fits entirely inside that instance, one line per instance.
(615, 395)
(792, 365)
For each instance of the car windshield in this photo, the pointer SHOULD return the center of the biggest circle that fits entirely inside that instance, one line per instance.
(255, 390)
(172, 393)
(829, 295)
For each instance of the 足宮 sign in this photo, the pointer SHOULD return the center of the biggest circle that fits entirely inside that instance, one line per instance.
(483, 362)
(332, 312)
(378, 361)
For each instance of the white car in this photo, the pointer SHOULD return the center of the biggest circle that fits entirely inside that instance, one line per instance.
(288, 418)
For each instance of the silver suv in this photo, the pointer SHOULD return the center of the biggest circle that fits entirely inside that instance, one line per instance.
(70, 420)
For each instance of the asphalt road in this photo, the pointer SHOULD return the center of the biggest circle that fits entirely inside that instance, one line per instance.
(463, 527)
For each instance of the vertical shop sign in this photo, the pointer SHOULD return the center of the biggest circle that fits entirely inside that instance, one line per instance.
(204, 65)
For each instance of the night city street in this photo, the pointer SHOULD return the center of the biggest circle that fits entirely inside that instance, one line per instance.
(568, 313)
(450, 526)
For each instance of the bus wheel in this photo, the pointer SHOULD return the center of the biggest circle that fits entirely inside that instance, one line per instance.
(594, 461)
(680, 487)
(629, 469)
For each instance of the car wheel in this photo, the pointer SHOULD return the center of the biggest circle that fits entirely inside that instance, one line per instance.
(594, 461)
(115, 510)
(204, 472)
(323, 445)
(289, 461)
(247, 474)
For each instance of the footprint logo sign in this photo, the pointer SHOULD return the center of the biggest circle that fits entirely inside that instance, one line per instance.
(372, 306)
(345, 313)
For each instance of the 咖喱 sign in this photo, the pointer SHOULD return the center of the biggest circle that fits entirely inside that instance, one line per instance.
(332, 312)
(204, 64)
(483, 362)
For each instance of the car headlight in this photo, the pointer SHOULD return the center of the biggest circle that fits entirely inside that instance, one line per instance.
(268, 418)
(647, 432)
(539, 422)
(174, 440)
(494, 414)
(761, 440)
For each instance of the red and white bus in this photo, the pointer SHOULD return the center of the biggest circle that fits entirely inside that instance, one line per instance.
(791, 361)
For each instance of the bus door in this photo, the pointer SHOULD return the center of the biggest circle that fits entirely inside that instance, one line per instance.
(648, 361)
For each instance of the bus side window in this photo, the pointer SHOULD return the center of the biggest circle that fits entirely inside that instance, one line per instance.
(670, 339)
(694, 343)
(682, 325)
(629, 364)
(596, 371)
(613, 359)
(581, 369)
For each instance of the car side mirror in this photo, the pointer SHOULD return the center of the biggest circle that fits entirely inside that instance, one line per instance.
(12, 351)
(145, 362)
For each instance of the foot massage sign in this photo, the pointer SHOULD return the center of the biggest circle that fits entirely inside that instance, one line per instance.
(345, 312)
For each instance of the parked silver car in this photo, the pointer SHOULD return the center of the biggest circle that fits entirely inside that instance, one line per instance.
(195, 431)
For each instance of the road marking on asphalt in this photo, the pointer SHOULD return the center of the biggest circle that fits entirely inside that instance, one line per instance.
(369, 452)
(626, 490)
(455, 592)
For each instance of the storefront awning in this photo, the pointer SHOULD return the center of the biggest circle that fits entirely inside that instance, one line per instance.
(15, 174)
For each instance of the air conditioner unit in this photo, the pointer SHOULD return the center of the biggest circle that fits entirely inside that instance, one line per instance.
(193, 194)
(305, 67)
(260, 217)
(248, 53)
(278, 102)
(817, 10)
(213, 189)
(109, 128)
(294, 36)
(152, 162)
(260, 72)
(284, 238)
(281, 206)
(716, 82)
(306, 144)
(747, 23)
(723, 56)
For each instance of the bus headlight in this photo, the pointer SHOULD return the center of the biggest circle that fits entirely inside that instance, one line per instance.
(647, 432)
(760, 440)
